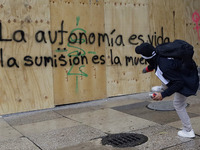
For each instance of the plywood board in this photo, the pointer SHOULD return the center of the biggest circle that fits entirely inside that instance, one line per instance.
(161, 26)
(24, 88)
(77, 81)
(176, 19)
(192, 23)
(124, 67)
(161, 20)
(44, 62)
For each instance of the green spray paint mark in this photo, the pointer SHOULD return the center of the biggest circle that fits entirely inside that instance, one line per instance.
(81, 74)
(76, 84)
(78, 40)
(90, 52)
(77, 52)
(77, 20)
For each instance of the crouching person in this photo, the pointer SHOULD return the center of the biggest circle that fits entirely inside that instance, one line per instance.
(180, 81)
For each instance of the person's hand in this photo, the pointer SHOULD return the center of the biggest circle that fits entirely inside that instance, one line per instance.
(158, 97)
(144, 70)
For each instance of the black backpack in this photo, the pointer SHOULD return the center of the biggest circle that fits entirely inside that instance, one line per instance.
(178, 49)
(182, 50)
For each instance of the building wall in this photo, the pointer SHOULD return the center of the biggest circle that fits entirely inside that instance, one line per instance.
(55, 52)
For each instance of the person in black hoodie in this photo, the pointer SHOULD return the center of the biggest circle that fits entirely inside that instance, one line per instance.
(172, 74)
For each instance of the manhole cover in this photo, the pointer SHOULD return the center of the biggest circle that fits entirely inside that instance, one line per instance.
(162, 106)
(124, 140)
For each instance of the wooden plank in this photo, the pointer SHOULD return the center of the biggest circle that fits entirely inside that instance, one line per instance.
(192, 23)
(162, 20)
(24, 88)
(84, 70)
(130, 20)
(162, 25)
(179, 19)
(83, 81)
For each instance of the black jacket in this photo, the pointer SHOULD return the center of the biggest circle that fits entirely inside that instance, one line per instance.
(178, 78)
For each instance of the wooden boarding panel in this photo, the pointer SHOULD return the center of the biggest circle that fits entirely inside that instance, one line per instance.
(192, 24)
(83, 77)
(161, 20)
(124, 67)
(23, 87)
(176, 19)
(161, 25)
(179, 19)
(55, 52)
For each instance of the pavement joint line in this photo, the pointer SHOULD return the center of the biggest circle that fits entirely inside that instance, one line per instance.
(67, 117)
(34, 143)
(23, 136)
(197, 135)
(177, 144)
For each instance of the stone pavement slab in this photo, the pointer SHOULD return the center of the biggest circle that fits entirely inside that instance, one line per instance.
(191, 145)
(21, 143)
(140, 110)
(81, 126)
(194, 99)
(66, 137)
(31, 117)
(194, 108)
(135, 106)
(45, 126)
(7, 132)
(96, 105)
(194, 121)
(65, 111)
(160, 137)
(111, 121)
(118, 101)
(95, 145)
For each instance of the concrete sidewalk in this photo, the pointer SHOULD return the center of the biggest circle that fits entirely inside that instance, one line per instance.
(82, 126)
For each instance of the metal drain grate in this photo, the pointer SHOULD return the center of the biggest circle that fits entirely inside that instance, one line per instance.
(124, 140)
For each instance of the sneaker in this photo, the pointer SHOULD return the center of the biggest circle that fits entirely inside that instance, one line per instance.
(157, 89)
(186, 134)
